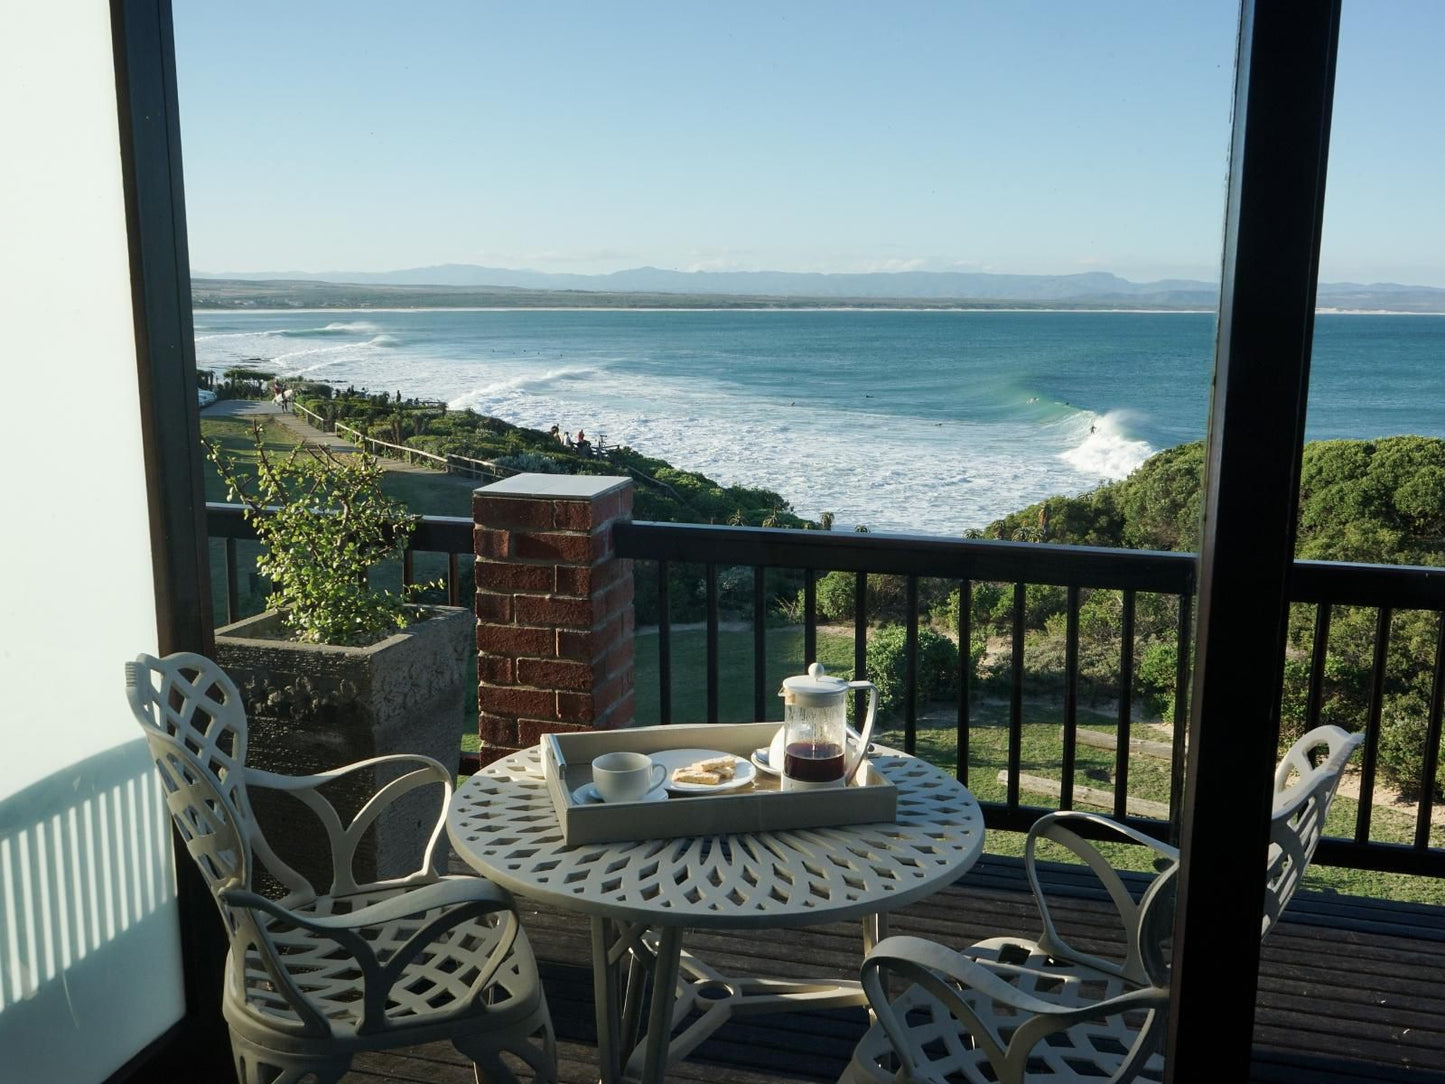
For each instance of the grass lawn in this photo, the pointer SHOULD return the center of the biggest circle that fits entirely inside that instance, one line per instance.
(429, 493)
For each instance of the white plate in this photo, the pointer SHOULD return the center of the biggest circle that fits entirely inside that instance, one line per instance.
(681, 758)
(587, 794)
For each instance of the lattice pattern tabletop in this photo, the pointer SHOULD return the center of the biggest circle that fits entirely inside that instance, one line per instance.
(502, 823)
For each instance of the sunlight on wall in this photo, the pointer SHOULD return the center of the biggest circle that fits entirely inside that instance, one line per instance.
(80, 876)
(89, 936)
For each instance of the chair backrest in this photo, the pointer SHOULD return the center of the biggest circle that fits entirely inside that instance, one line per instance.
(195, 723)
(1304, 786)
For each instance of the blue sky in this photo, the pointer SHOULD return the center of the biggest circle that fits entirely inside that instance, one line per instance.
(1019, 137)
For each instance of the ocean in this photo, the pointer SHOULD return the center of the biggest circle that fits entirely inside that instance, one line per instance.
(931, 421)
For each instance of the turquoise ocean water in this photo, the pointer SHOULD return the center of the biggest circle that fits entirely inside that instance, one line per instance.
(901, 420)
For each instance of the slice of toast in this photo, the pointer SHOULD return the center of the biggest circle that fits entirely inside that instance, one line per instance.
(725, 766)
(693, 774)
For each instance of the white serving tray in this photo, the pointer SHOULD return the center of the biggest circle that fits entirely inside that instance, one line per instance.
(567, 765)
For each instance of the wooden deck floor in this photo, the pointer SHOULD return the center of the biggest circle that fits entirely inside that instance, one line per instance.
(1350, 990)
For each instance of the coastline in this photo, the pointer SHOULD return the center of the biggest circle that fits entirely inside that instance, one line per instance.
(202, 307)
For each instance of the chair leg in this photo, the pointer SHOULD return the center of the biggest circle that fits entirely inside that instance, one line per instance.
(533, 1041)
(260, 1065)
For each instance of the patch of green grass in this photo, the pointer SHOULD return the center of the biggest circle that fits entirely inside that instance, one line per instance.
(427, 493)
(735, 671)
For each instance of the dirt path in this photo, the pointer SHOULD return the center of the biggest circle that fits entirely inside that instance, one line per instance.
(269, 414)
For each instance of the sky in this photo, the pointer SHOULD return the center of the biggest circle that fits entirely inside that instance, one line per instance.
(1027, 137)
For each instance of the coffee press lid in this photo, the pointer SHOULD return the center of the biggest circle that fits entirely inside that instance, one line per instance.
(813, 688)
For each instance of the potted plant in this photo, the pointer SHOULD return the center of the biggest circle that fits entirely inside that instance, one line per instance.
(336, 670)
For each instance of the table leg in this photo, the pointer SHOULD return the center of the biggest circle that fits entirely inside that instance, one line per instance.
(632, 1001)
(875, 929)
(604, 996)
(664, 994)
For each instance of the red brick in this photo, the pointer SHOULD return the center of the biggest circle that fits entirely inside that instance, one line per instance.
(574, 581)
(614, 600)
(609, 692)
(624, 654)
(551, 674)
(575, 644)
(496, 670)
(515, 640)
(622, 714)
(578, 549)
(530, 731)
(576, 707)
(510, 576)
(496, 730)
(504, 700)
(487, 754)
(488, 543)
(554, 611)
(493, 607)
(512, 512)
(588, 515)
(574, 515)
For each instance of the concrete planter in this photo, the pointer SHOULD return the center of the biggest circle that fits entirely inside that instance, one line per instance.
(314, 707)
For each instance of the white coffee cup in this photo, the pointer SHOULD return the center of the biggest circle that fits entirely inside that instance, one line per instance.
(626, 777)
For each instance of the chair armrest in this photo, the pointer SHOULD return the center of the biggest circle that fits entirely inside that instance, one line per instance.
(944, 975)
(343, 840)
(1058, 828)
(444, 893)
(458, 899)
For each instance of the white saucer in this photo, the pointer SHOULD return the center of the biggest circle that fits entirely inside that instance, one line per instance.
(587, 794)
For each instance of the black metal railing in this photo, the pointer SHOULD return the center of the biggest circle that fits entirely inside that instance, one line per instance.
(964, 562)
(1386, 590)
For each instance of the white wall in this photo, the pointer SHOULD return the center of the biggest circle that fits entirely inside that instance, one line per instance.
(89, 954)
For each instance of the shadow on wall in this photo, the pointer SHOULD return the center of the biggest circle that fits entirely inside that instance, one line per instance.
(90, 965)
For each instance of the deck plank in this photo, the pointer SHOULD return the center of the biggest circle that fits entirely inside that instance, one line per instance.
(1350, 989)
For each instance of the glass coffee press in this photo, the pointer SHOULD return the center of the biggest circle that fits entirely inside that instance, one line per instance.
(815, 746)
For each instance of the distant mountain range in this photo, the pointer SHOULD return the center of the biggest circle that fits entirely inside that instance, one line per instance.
(1088, 290)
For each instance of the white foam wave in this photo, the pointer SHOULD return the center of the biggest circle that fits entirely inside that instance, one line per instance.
(363, 326)
(1104, 451)
(482, 398)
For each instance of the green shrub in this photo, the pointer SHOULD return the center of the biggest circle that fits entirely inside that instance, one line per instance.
(887, 666)
(532, 463)
(1403, 729)
(324, 522)
(1158, 671)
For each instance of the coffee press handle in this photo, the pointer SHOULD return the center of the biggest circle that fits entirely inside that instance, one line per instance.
(866, 734)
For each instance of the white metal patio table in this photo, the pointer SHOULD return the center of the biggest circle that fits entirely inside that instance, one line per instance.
(641, 896)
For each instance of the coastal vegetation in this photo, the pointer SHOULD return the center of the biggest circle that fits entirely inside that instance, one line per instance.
(1376, 502)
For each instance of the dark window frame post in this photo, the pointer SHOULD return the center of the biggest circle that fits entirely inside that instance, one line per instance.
(197, 1047)
(1283, 95)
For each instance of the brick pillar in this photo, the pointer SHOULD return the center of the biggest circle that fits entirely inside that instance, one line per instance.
(554, 609)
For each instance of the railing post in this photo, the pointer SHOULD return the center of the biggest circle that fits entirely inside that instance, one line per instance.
(554, 609)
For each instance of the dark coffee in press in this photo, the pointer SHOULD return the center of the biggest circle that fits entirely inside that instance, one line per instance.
(808, 762)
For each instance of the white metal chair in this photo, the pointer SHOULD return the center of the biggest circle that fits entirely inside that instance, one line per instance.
(316, 976)
(1011, 1011)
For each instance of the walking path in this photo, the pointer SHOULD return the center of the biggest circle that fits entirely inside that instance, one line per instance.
(269, 414)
